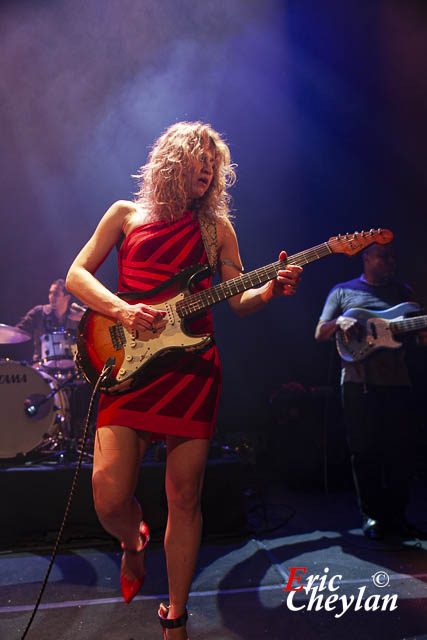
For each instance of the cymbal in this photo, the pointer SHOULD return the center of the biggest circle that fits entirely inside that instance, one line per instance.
(12, 335)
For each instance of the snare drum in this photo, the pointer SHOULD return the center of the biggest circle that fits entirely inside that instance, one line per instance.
(20, 387)
(57, 350)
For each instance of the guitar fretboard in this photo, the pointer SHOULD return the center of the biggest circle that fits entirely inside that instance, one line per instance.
(197, 302)
(408, 324)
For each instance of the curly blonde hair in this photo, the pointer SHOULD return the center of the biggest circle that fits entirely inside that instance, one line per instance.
(162, 180)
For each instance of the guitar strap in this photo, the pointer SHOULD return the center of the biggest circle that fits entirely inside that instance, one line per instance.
(210, 241)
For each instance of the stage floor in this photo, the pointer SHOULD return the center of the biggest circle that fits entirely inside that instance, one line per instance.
(237, 592)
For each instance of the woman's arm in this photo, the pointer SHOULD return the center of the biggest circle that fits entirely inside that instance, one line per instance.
(230, 266)
(83, 284)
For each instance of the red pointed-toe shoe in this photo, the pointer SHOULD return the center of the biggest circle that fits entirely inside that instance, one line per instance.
(170, 623)
(131, 587)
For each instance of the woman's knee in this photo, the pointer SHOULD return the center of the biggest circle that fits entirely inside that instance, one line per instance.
(184, 498)
(107, 498)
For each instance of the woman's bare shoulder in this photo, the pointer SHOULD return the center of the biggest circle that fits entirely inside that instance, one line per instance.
(134, 215)
(117, 214)
(224, 229)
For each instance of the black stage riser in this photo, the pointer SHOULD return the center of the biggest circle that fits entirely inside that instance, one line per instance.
(33, 501)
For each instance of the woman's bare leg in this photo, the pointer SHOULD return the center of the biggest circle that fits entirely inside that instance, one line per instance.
(185, 469)
(117, 458)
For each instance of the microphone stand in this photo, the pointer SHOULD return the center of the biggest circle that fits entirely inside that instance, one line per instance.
(60, 444)
(70, 447)
(32, 409)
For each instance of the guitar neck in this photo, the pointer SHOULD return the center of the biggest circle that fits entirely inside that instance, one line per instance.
(408, 324)
(197, 302)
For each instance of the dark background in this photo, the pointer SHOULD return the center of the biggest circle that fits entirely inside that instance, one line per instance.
(323, 105)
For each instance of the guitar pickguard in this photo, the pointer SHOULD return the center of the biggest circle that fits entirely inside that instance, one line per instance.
(140, 347)
(139, 355)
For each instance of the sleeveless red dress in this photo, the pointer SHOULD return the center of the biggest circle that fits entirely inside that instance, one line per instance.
(182, 400)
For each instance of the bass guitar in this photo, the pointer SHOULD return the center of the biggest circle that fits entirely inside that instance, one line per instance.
(377, 330)
(138, 353)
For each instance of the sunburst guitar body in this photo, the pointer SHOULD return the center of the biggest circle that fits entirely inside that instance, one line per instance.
(101, 337)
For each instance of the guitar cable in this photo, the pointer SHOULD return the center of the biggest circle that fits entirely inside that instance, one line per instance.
(104, 375)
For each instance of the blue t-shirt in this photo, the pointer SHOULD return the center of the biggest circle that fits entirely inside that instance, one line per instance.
(386, 366)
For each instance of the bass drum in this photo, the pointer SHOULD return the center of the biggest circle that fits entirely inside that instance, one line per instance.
(21, 386)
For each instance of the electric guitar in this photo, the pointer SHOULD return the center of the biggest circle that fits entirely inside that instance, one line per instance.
(137, 354)
(377, 330)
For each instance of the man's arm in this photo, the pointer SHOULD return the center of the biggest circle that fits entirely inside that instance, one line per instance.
(331, 319)
(325, 329)
(31, 320)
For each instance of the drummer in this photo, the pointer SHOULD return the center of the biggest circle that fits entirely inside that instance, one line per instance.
(59, 315)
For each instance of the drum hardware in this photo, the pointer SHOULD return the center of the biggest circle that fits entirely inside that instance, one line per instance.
(77, 445)
(67, 441)
(32, 406)
(66, 444)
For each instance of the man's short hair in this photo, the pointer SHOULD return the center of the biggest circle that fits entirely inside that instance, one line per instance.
(60, 282)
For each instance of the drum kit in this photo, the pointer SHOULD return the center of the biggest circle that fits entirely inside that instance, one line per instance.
(42, 405)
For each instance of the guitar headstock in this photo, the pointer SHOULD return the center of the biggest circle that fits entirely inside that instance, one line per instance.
(353, 243)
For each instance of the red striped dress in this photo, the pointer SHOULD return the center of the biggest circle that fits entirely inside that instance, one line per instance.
(182, 400)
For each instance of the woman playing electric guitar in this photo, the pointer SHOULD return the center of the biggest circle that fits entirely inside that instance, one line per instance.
(179, 218)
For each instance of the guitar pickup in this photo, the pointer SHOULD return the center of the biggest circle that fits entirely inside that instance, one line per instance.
(170, 314)
(118, 338)
(373, 329)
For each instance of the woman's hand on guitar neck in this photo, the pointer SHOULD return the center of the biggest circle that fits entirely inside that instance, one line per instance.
(287, 280)
(141, 317)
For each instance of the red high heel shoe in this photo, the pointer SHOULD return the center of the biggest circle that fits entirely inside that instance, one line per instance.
(131, 587)
(170, 623)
